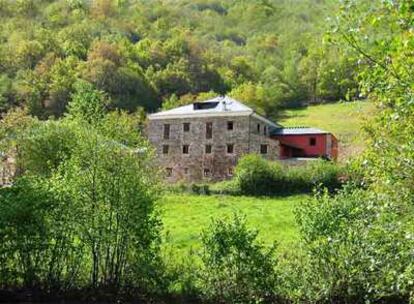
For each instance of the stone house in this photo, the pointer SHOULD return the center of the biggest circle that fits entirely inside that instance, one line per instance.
(204, 140)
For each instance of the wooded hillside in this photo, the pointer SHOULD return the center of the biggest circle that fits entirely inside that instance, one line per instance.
(147, 53)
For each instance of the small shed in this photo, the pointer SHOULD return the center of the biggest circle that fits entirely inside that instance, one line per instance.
(306, 142)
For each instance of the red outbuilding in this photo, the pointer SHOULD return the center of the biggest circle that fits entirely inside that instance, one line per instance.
(304, 142)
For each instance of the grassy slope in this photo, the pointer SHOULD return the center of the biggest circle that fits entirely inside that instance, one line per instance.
(185, 216)
(343, 119)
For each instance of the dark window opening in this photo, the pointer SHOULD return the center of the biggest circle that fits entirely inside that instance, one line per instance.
(209, 130)
(312, 141)
(264, 130)
(206, 172)
(186, 149)
(230, 125)
(208, 149)
(165, 149)
(230, 148)
(263, 149)
(258, 128)
(186, 127)
(166, 131)
(168, 172)
(204, 105)
(186, 171)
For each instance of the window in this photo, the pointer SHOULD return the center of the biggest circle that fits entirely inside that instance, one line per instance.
(230, 148)
(230, 125)
(209, 130)
(166, 131)
(186, 149)
(312, 141)
(165, 149)
(168, 172)
(230, 172)
(208, 149)
(265, 130)
(185, 171)
(263, 149)
(186, 127)
(258, 128)
(206, 172)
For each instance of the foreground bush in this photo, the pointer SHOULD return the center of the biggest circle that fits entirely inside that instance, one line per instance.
(357, 249)
(236, 267)
(257, 176)
(86, 220)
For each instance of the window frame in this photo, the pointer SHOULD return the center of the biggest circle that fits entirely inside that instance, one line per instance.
(230, 125)
(167, 131)
(186, 149)
(312, 141)
(165, 149)
(209, 130)
(169, 171)
(230, 147)
(208, 151)
(186, 127)
(264, 149)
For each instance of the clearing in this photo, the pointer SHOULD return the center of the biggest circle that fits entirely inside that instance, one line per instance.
(343, 119)
(185, 216)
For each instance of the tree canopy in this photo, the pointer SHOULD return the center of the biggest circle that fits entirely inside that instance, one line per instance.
(140, 53)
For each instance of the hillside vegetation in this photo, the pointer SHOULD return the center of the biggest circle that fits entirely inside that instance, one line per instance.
(345, 120)
(145, 54)
(83, 218)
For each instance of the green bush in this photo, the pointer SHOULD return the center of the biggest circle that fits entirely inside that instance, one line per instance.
(356, 249)
(227, 187)
(235, 267)
(257, 176)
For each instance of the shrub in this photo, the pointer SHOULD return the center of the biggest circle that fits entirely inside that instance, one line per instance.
(257, 176)
(229, 187)
(200, 189)
(236, 268)
(357, 249)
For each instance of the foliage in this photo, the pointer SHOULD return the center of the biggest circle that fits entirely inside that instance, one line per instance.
(236, 268)
(358, 249)
(85, 197)
(141, 53)
(360, 242)
(257, 176)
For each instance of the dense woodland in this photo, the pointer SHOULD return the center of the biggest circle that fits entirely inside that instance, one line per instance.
(147, 54)
(80, 220)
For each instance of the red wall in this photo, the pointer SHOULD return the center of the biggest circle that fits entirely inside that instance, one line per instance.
(302, 141)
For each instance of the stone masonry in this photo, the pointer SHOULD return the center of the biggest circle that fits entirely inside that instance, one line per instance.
(186, 152)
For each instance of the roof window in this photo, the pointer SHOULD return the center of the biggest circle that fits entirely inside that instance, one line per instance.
(205, 105)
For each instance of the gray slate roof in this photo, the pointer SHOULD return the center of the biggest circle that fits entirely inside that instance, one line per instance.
(224, 104)
(221, 105)
(297, 131)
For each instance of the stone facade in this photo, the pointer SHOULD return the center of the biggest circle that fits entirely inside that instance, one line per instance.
(184, 152)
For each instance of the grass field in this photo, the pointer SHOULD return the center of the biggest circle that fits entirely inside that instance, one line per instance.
(185, 216)
(343, 119)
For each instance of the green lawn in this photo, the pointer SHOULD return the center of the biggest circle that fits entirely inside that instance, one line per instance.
(185, 216)
(343, 119)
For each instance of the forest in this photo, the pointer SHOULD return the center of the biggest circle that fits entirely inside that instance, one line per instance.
(150, 54)
(83, 218)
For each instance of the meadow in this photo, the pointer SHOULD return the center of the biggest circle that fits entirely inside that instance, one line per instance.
(185, 216)
(344, 119)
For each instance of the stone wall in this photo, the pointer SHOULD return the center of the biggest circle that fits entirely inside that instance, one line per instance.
(197, 164)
